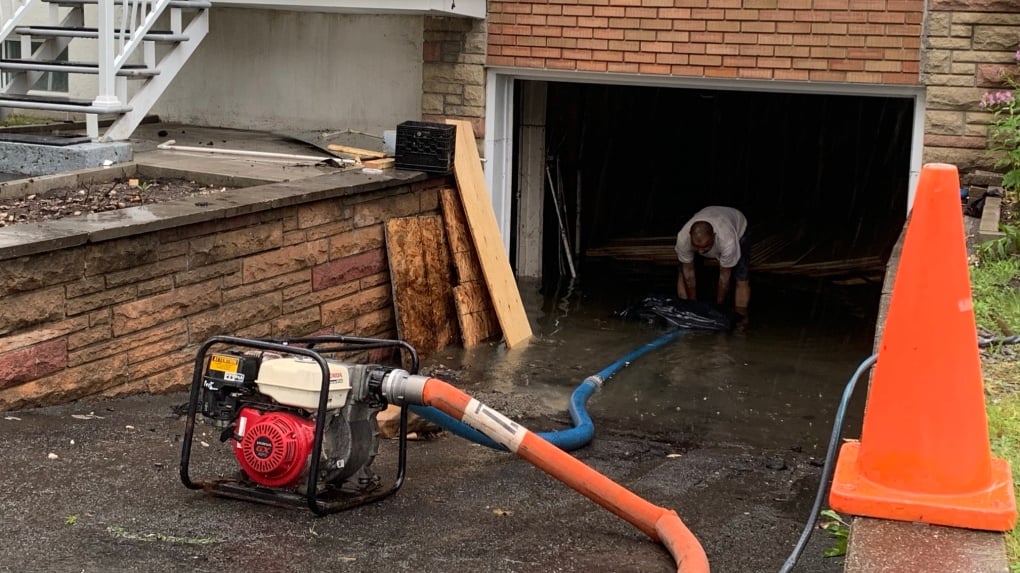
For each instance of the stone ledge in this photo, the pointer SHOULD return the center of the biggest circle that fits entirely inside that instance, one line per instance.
(34, 238)
(878, 545)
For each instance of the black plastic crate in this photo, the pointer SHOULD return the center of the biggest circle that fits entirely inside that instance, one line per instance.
(425, 146)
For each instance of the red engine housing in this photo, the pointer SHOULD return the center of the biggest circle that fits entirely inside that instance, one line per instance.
(273, 447)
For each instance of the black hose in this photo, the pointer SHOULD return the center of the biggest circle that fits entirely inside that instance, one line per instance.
(986, 342)
(830, 457)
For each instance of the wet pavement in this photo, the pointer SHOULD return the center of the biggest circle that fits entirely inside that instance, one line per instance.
(728, 429)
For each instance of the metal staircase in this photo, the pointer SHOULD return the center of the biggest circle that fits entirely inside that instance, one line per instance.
(134, 50)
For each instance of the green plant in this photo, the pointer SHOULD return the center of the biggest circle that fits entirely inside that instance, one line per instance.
(837, 528)
(144, 185)
(1004, 128)
(1002, 248)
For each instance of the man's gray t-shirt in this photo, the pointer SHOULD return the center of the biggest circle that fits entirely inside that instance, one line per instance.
(729, 225)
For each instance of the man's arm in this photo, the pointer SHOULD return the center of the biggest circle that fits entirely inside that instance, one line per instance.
(724, 284)
(685, 284)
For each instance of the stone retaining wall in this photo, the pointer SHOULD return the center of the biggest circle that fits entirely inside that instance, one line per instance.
(119, 308)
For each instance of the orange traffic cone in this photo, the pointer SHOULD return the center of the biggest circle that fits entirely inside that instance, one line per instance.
(924, 452)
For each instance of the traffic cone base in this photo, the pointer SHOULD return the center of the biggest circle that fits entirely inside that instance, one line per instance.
(990, 509)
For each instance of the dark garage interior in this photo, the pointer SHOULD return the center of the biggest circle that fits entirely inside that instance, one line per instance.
(822, 179)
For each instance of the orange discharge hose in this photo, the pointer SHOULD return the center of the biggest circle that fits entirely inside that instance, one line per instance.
(661, 524)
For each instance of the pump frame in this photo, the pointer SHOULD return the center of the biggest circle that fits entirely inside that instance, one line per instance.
(312, 347)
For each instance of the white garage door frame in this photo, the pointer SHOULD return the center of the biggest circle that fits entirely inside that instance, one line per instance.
(499, 120)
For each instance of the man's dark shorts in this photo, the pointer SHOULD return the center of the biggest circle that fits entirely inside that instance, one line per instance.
(742, 271)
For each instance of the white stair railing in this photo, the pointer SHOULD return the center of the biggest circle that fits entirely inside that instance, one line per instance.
(135, 20)
(11, 13)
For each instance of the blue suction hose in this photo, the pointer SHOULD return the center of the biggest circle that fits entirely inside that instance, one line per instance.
(568, 439)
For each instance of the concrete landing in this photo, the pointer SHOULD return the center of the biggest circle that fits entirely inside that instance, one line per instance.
(34, 159)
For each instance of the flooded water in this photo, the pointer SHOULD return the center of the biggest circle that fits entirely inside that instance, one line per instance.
(775, 384)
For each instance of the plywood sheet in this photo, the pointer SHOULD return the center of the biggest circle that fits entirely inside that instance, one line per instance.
(475, 314)
(492, 257)
(422, 289)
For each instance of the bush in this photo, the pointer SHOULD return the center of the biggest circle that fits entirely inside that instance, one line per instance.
(1004, 129)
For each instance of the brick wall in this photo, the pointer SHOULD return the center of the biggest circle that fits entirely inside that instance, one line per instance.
(126, 315)
(856, 41)
(453, 71)
(967, 42)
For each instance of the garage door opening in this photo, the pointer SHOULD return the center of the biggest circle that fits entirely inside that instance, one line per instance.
(822, 179)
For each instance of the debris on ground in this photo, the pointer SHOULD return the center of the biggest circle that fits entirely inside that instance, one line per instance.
(92, 198)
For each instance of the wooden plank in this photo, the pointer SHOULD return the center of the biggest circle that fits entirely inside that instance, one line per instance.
(492, 257)
(475, 315)
(385, 163)
(356, 151)
(422, 292)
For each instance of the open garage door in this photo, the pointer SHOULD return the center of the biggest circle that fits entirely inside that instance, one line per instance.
(611, 172)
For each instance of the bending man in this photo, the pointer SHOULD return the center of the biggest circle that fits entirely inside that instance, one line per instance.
(716, 233)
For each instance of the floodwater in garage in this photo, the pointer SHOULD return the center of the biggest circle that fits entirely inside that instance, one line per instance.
(774, 384)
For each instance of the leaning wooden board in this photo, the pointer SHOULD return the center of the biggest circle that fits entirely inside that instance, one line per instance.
(420, 273)
(475, 315)
(499, 277)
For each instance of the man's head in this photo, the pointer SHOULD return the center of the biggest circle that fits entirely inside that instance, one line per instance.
(702, 237)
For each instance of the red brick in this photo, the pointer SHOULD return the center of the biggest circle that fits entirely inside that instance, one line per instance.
(757, 74)
(529, 62)
(561, 64)
(693, 71)
(672, 59)
(642, 35)
(577, 54)
(721, 72)
(624, 23)
(623, 68)
(546, 53)
(625, 46)
(653, 69)
(584, 22)
(578, 10)
(609, 34)
(32, 362)
(706, 60)
(722, 26)
(675, 13)
(726, 50)
(610, 11)
(532, 20)
(562, 21)
(348, 269)
(504, 61)
(656, 24)
(593, 44)
(791, 75)
(639, 57)
(548, 9)
(604, 55)
(555, 31)
(592, 66)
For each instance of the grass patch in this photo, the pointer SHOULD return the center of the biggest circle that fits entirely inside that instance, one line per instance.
(15, 120)
(1002, 386)
(995, 282)
(996, 288)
